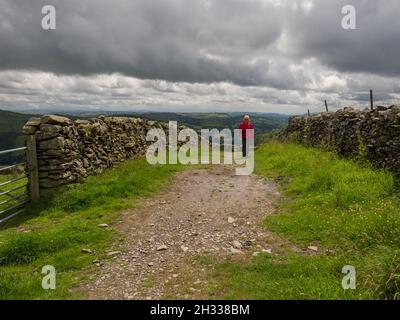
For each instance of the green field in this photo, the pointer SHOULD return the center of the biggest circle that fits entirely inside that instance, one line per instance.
(262, 122)
(11, 136)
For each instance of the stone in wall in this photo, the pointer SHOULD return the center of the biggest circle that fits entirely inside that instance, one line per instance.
(69, 151)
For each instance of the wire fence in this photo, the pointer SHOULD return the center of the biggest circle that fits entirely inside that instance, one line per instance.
(335, 105)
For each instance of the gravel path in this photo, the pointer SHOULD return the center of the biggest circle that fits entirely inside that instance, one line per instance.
(203, 212)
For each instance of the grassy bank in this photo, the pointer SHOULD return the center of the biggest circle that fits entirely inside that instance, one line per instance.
(54, 231)
(352, 213)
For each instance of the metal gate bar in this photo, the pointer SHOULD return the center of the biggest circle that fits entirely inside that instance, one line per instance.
(15, 203)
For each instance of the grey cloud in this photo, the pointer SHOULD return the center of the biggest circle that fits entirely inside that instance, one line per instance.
(200, 40)
(175, 40)
(230, 54)
(366, 96)
(373, 48)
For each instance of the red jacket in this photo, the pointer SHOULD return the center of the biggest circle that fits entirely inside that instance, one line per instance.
(244, 127)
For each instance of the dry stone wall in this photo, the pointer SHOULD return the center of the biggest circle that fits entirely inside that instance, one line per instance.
(69, 151)
(371, 134)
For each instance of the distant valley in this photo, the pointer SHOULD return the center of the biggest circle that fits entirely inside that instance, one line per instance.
(12, 122)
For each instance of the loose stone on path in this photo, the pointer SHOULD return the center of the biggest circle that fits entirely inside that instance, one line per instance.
(164, 238)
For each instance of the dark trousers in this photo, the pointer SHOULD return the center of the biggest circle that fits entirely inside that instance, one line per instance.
(244, 148)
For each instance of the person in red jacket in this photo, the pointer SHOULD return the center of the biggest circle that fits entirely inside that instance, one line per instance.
(245, 126)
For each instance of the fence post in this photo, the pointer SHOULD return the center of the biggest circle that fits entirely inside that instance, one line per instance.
(371, 98)
(32, 166)
(326, 106)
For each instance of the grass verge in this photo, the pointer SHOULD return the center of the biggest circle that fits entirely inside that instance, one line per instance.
(351, 212)
(55, 230)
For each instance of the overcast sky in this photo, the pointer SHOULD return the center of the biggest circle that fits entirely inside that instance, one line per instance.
(222, 55)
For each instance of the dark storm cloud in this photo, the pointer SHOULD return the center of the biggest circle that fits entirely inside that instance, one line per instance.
(373, 48)
(285, 55)
(198, 41)
(175, 40)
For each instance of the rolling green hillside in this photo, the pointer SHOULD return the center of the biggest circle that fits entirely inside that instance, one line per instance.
(11, 137)
(12, 122)
(262, 122)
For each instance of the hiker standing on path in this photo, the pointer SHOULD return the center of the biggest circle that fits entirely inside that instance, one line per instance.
(245, 126)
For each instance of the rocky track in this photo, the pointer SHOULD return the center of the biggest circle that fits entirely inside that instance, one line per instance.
(204, 212)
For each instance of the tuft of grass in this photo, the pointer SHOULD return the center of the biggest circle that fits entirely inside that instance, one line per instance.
(336, 201)
(280, 278)
(352, 211)
(55, 230)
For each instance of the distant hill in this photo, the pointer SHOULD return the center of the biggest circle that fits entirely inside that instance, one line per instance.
(11, 137)
(263, 123)
(11, 123)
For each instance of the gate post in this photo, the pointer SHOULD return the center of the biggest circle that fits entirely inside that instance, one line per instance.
(32, 166)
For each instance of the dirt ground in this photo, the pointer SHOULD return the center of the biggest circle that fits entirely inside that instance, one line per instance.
(203, 212)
